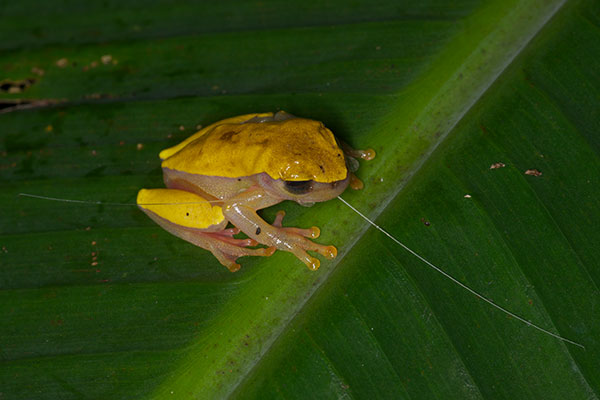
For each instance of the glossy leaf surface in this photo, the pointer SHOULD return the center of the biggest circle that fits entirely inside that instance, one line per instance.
(98, 302)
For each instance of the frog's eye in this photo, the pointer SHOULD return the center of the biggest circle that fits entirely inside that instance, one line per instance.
(298, 187)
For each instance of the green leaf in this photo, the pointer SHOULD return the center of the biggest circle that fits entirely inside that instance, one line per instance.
(98, 302)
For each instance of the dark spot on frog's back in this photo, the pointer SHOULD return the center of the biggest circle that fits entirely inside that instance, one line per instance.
(263, 142)
(228, 136)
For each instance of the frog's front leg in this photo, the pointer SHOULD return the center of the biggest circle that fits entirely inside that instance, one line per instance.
(241, 211)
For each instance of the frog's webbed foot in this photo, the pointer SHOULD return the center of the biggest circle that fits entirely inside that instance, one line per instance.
(352, 162)
(303, 244)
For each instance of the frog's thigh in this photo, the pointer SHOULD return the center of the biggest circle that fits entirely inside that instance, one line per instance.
(241, 211)
(194, 219)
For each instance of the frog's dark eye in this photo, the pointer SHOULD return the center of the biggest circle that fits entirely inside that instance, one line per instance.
(298, 187)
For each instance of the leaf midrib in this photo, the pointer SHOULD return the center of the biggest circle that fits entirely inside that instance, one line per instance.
(458, 117)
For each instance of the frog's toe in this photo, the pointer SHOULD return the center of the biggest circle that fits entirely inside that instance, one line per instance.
(312, 232)
(239, 242)
(229, 232)
(233, 266)
(311, 262)
(326, 251)
(279, 218)
(228, 253)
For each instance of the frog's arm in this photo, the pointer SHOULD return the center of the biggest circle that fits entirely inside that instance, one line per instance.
(241, 211)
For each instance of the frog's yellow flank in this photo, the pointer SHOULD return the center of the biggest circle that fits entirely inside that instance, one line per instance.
(182, 208)
(232, 168)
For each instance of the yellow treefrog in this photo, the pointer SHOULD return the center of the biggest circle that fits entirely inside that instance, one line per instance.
(234, 167)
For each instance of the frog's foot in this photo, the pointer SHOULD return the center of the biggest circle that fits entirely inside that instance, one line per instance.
(293, 240)
(352, 163)
(297, 244)
(355, 183)
(228, 249)
(366, 155)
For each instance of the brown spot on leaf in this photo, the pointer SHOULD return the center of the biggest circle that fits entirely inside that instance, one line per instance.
(533, 172)
(497, 165)
(37, 71)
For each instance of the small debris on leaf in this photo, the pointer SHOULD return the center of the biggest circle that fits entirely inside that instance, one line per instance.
(425, 222)
(467, 196)
(497, 165)
(37, 71)
(13, 87)
(533, 172)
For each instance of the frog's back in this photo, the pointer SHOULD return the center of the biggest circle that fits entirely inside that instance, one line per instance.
(294, 149)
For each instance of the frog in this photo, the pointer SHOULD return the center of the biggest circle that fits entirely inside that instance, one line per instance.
(224, 173)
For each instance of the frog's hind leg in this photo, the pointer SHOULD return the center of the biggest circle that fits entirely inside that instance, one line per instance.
(221, 244)
(227, 249)
(194, 219)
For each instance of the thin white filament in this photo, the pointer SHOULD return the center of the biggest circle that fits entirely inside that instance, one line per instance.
(35, 196)
(434, 267)
(459, 283)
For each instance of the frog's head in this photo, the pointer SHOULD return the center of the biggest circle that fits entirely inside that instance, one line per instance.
(306, 192)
